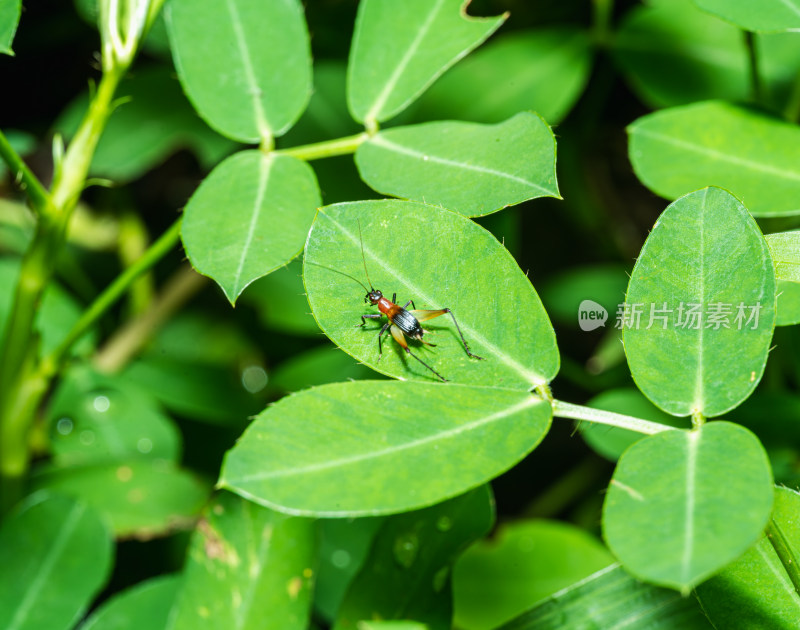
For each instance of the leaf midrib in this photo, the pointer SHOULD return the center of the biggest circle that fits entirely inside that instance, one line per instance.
(46, 566)
(264, 167)
(381, 141)
(383, 96)
(704, 150)
(529, 401)
(264, 130)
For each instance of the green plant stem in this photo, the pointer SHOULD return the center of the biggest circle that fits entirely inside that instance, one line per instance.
(113, 292)
(329, 148)
(756, 85)
(133, 243)
(129, 340)
(20, 387)
(578, 412)
(28, 182)
(784, 551)
(602, 11)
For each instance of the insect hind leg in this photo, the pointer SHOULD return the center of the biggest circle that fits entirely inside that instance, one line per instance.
(399, 338)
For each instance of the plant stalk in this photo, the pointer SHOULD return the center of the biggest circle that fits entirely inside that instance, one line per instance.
(328, 148)
(578, 412)
(785, 554)
(21, 387)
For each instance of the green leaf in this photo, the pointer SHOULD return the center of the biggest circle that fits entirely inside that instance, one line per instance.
(145, 605)
(407, 574)
(244, 64)
(56, 316)
(140, 498)
(326, 364)
(751, 154)
(344, 546)
(199, 392)
(249, 217)
(55, 556)
(391, 625)
(339, 449)
(787, 311)
(99, 418)
(672, 53)
(153, 121)
(563, 293)
(756, 15)
(683, 504)
(613, 599)
(438, 259)
(9, 20)
(705, 289)
(524, 562)
(611, 442)
(755, 591)
(400, 48)
(280, 301)
(785, 250)
(472, 168)
(543, 70)
(248, 568)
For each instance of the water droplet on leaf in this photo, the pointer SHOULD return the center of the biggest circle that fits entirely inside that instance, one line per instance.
(405, 549)
(64, 426)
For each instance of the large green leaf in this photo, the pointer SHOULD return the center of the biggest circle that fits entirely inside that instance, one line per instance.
(683, 504)
(675, 54)
(9, 19)
(145, 605)
(153, 121)
(543, 70)
(755, 591)
(613, 599)
(98, 418)
(372, 447)
(438, 259)
(749, 153)
(249, 217)
(525, 561)
(248, 568)
(140, 498)
(705, 288)
(472, 168)
(55, 556)
(756, 15)
(244, 64)
(407, 574)
(399, 48)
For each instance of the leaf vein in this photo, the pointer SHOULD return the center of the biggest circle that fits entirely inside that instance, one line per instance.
(529, 401)
(393, 146)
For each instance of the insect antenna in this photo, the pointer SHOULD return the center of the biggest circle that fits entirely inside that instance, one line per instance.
(308, 262)
(363, 258)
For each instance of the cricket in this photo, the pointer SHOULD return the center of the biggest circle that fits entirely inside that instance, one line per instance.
(401, 322)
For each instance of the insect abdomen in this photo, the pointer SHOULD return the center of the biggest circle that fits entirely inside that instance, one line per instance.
(406, 322)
